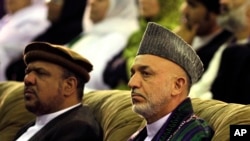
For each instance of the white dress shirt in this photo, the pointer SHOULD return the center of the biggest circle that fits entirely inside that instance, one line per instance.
(153, 128)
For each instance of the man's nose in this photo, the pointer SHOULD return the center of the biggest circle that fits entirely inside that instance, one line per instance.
(29, 79)
(134, 81)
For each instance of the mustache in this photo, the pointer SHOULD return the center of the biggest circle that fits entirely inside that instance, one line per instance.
(28, 89)
(134, 92)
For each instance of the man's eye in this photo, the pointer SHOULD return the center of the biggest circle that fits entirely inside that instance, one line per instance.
(40, 72)
(145, 73)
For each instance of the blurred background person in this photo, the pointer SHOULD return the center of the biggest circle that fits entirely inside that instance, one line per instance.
(233, 77)
(164, 12)
(23, 21)
(2, 11)
(111, 24)
(66, 18)
(200, 29)
(228, 75)
(66, 23)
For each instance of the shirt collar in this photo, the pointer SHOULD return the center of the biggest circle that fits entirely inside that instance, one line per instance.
(154, 127)
(44, 119)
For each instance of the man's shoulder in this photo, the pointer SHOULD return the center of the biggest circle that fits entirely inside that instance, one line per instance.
(78, 121)
(79, 113)
(238, 50)
(196, 129)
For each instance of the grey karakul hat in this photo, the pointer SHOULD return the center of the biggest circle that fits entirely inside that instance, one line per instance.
(161, 42)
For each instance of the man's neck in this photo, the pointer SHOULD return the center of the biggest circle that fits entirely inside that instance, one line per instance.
(243, 34)
(214, 30)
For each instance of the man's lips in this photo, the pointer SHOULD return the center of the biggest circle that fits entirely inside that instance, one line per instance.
(184, 19)
(28, 93)
(137, 97)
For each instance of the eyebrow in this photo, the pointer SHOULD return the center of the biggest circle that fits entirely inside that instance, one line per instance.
(33, 68)
(140, 68)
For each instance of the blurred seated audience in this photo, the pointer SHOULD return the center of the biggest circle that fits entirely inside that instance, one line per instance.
(2, 11)
(111, 24)
(163, 12)
(200, 29)
(228, 75)
(23, 21)
(66, 18)
(66, 24)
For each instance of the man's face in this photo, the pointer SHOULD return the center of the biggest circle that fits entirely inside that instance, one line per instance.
(233, 14)
(149, 8)
(194, 12)
(98, 9)
(55, 9)
(43, 92)
(12, 6)
(152, 81)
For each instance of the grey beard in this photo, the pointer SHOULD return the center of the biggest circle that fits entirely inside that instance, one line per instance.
(234, 20)
(231, 24)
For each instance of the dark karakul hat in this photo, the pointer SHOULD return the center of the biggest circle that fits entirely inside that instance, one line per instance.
(59, 55)
(161, 42)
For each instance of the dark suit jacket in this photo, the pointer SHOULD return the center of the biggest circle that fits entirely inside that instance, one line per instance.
(233, 79)
(77, 124)
(207, 51)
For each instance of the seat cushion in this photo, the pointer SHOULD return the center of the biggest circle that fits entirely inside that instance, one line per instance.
(13, 114)
(112, 109)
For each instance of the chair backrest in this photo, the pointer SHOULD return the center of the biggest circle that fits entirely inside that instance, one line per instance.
(112, 109)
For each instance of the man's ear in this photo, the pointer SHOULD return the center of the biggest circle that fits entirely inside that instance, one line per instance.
(179, 86)
(70, 85)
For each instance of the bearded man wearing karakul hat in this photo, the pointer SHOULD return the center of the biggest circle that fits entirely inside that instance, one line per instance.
(162, 73)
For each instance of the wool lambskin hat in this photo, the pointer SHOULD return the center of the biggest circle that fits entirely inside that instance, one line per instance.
(60, 55)
(161, 42)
